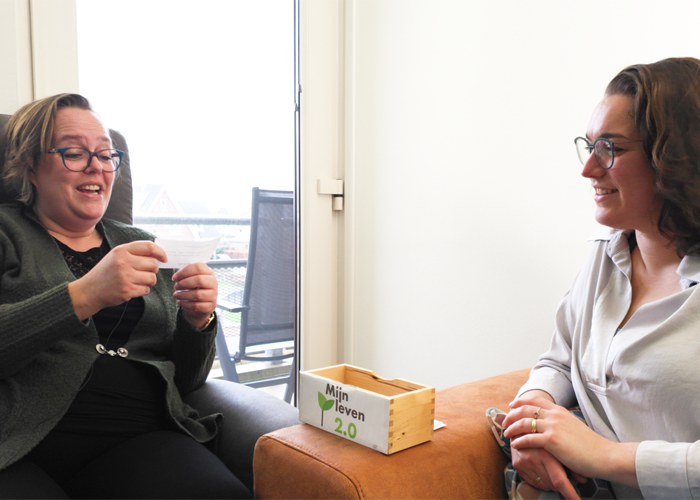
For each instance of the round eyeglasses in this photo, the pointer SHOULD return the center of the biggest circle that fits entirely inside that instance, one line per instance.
(78, 159)
(603, 148)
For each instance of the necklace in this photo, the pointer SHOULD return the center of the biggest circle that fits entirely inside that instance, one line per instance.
(121, 352)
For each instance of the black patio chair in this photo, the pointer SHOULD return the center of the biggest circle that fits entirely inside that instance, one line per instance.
(268, 304)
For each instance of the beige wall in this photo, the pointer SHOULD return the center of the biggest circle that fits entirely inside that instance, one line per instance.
(469, 218)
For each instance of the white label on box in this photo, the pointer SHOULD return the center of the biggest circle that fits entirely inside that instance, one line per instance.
(345, 410)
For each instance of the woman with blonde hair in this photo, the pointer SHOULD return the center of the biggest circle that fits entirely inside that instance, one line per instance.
(97, 343)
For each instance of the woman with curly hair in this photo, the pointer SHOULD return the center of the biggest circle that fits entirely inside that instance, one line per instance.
(627, 340)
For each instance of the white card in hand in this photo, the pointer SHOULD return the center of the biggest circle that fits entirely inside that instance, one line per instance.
(182, 253)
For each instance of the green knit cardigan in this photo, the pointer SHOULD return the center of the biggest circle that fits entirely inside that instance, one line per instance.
(46, 351)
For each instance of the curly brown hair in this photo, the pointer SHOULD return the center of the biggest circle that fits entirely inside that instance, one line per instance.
(28, 136)
(666, 108)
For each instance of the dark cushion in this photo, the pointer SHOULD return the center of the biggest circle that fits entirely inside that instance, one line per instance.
(120, 205)
(248, 414)
(4, 195)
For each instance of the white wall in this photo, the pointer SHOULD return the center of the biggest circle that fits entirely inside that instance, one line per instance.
(467, 215)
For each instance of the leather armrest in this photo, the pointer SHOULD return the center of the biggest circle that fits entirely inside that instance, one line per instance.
(462, 460)
(248, 414)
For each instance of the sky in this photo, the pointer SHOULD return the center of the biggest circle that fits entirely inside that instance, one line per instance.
(202, 90)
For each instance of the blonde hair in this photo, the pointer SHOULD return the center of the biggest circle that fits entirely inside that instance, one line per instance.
(28, 137)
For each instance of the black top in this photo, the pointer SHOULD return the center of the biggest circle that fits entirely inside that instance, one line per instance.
(120, 396)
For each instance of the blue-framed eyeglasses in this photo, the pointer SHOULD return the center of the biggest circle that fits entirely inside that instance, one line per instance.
(78, 159)
(603, 148)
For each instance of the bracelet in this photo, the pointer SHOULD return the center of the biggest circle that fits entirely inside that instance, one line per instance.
(206, 325)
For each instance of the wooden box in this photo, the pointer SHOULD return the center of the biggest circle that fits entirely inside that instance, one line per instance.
(356, 404)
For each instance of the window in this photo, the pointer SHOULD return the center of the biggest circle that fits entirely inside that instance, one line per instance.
(204, 94)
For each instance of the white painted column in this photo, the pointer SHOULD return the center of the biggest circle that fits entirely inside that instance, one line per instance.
(15, 55)
(54, 46)
(321, 62)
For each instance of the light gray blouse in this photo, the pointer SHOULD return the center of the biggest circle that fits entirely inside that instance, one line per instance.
(638, 384)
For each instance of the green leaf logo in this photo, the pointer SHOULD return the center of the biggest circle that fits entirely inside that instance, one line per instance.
(324, 404)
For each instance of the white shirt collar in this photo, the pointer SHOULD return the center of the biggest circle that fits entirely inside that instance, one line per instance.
(618, 251)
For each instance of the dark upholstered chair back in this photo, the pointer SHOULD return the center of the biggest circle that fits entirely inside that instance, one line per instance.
(120, 205)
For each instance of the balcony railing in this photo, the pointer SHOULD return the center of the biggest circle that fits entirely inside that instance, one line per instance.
(206, 220)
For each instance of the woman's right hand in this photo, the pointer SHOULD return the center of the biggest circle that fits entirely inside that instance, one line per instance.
(533, 463)
(127, 271)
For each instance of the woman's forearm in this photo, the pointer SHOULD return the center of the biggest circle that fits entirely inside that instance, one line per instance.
(619, 466)
(83, 303)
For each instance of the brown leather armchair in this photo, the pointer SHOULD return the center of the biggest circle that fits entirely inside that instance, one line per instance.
(461, 461)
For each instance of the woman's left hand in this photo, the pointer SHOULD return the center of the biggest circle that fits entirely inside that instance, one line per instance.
(542, 471)
(568, 439)
(196, 291)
